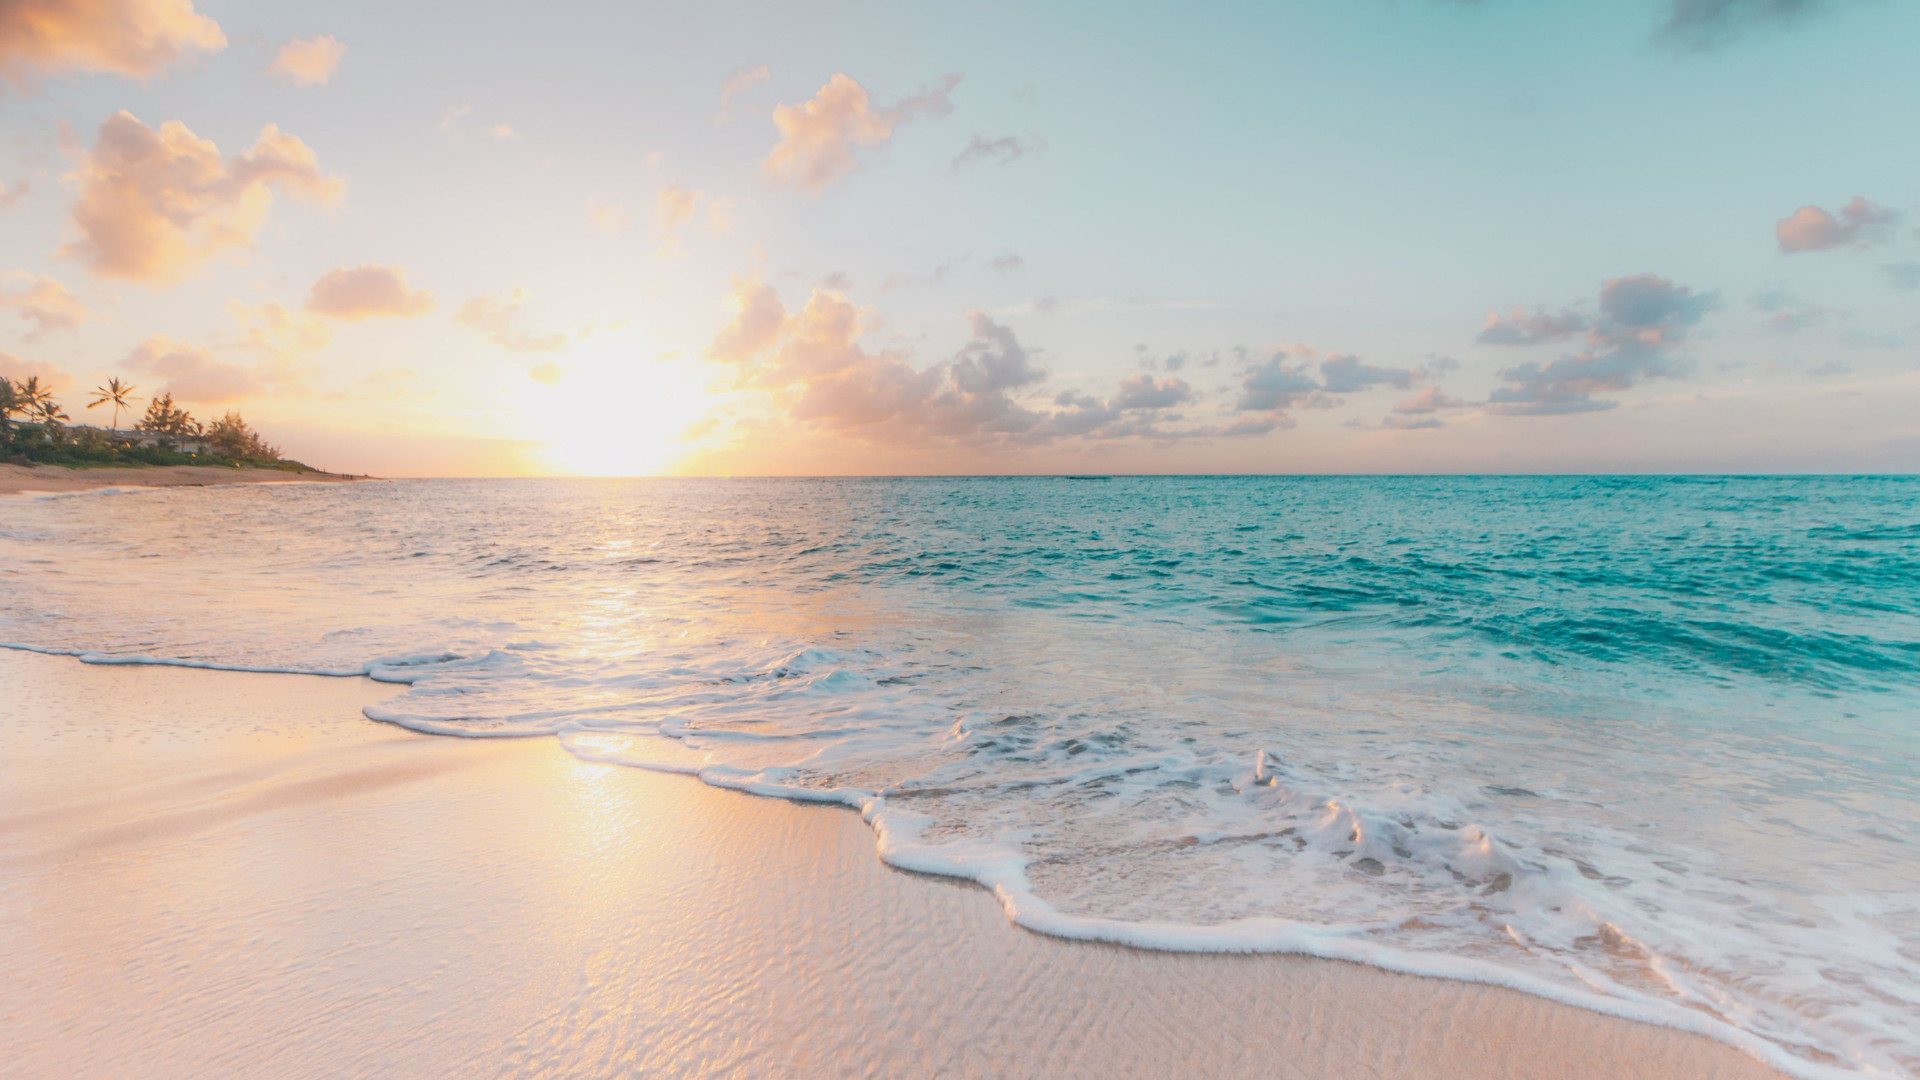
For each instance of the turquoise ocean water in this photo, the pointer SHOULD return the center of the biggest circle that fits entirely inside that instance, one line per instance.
(1649, 745)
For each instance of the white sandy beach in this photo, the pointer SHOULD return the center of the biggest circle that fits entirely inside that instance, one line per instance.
(216, 874)
(15, 479)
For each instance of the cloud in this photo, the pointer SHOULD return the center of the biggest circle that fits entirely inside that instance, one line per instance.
(1347, 375)
(450, 120)
(1002, 151)
(1787, 314)
(156, 205)
(1524, 327)
(309, 61)
(496, 317)
(1398, 422)
(818, 373)
(1642, 318)
(135, 38)
(503, 132)
(367, 291)
(548, 374)
(1143, 392)
(13, 193)
(277, 332)
(742, 80)
(1860, 223)
(818, 137)
(191, 373)
(1902, 275)
(1704, 24)
(1273, 385)
(1429, 399)
(674, 207)
(1006, 263)
(51, 377)
(608, 217)
(45, 303)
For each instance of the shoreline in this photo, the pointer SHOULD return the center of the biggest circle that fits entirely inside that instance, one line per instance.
(59, 479)
(583, 911)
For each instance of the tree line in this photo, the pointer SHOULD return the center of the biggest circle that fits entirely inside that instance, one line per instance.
(35, 428)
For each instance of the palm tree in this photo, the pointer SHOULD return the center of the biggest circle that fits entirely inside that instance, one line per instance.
(50, 416)
(116, 392)
(31, 394)
(9, 404)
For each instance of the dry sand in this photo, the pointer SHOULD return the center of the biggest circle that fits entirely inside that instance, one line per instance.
(214, 874)
(15, 479)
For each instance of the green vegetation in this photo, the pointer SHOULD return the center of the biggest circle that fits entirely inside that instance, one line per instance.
(35, 430)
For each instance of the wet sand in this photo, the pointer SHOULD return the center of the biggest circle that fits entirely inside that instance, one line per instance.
(216, 874)
(15, 479)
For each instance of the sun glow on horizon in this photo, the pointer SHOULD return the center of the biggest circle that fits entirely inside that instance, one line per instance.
(615, 409)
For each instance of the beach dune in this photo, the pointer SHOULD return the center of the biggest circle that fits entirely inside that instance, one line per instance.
(217, 874)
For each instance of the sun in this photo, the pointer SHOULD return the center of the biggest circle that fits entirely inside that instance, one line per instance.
(613, 409)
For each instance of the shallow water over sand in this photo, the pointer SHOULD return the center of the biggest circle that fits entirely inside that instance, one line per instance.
(1644, 744)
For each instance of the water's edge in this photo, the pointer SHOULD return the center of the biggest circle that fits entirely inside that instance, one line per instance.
(1002, 872)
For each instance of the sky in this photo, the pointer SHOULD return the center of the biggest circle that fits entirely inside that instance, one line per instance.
(741, 238)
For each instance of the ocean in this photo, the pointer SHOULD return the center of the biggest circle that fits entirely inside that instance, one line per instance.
(1646, 745)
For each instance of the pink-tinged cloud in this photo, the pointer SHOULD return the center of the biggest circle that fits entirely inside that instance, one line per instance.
(19, 370)
(44, 302)
(1643, 318)
(498, 318)
(1430, 399)
(1143, 392)
(155, 206)
(191, 373)
(674, 207)
(274, 331)
(741, 81)
(819, 375)
(367, 291)
(1860, 223)
(135, 38)
(1531, 327)
(818, 137)
(309, 61)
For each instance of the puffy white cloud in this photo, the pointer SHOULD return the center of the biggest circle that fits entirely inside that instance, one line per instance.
(156, 205)
(367, 291)
(1860, 223)
(44, 302)
(498, 319)
(309, 61)
(1642, 318)
(136, 38)
(818, 136)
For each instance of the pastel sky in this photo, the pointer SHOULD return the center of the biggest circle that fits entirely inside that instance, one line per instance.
(441, 238)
